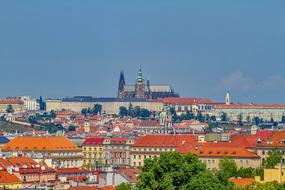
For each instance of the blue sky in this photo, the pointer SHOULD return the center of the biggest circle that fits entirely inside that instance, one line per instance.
(202, 48)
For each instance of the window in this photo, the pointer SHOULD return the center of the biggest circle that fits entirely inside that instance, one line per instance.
(144, 156)
(139, 156)
(263, 152)
(134, 163)
(134, 156)
(140, 164)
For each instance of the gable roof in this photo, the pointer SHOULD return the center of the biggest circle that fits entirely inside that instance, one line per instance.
(223, 152)
(93, 141)
(164, 140)
(184, 101)
(20, 162)
(40, 144)
(277, 139)
(7, 178)
(242, 181)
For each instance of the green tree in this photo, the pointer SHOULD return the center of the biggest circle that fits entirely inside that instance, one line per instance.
(274, 157)
(131, 111)
(84, 111)
(124, 186)
(224, 117)
(200, 117)
(145, 113)
(246, 172)
(123, 111)
(213, 118)
(175, 171)
(256, 121)
(228, 169)
(283, 119)
(206, 181)
(52, 114)
(97, 109)
(212, 125)
(10, 109)
(136, 111)
(240, 120)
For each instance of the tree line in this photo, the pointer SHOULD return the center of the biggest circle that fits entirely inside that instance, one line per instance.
(175, 171)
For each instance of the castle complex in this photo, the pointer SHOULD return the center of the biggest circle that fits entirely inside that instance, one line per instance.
(143, 91)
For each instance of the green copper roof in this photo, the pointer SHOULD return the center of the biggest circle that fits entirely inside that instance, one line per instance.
(140, 76)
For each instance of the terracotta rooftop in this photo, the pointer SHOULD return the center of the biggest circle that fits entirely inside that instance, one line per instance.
(6, 178)
(71, 171)
(11, 101)
(242, 181)
(276, 139)
(21, 162)
(223, 152)
(147, 123)
(93, 141)
(186, 101)
(249, 106)
(164, 140)
(40, 144)
(130, 174)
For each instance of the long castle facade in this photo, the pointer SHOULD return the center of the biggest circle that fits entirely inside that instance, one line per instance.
(143, 91)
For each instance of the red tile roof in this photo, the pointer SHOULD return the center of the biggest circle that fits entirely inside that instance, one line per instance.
(146, 123)
(186, 101)
(6, 178)
(40, 144)
(20, 162)
(130, 174)
(277, 139)
(71, 171)
(242, 181)
(11, 101)
(222, 152)
(164, 140)
(93, 141)
(249, 106)
(92, 188)
(118, 140)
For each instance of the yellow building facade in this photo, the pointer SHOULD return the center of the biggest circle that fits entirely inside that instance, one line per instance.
(92, 149)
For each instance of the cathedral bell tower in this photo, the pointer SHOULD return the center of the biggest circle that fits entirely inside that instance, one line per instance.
(121, 93)
(140, 86)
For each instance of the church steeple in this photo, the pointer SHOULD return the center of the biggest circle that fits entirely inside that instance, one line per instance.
(140, 75)
(228, 98)
(121, 85)
(140, 86)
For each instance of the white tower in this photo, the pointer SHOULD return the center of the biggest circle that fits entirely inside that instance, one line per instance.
(228, 98)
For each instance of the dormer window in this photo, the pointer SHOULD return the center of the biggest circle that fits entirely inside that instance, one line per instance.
(282, 141)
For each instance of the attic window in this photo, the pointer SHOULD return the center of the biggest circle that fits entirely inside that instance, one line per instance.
(234, 152)
(210, 152)
(226, 152)
(218, 152)
(282, 141)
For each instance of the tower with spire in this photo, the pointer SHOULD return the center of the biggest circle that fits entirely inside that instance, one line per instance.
(140, 86)
(121, 85)
(228, 98)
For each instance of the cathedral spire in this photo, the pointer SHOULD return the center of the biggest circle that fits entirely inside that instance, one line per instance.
(121, 85)
(140, 75)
